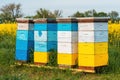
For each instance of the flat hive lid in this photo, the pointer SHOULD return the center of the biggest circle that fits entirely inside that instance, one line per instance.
(40, 20)
(93, 19)
(63, 20)
(24, 20)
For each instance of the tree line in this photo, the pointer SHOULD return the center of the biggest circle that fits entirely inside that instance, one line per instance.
(9, 13)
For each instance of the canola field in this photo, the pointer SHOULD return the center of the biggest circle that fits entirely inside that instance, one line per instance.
(114, 34)
(8, 28)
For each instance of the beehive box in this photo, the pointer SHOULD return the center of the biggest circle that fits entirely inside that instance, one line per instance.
(93, 36)
(67, 36)
(67, 59)
(95, 60)
(93, 48)
(45, 38)
(24, 45)
(24, 39)
(25, 35)
(51, 26)
(93, 42)
(40, 35)
(67, 24)
(91, 25)
(67, 41)
(41, 57)
(25, 24)
(45, 46)
(68, 48)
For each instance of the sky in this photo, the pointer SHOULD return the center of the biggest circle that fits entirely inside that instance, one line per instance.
(68, 7)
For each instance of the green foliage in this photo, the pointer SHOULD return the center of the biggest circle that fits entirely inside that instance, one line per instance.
(102, 14)
(78, 14)
(52, 58)
(44, 13)
(90, 13)
(31, 56)
(10, 12)
(113, 14)
(7, 49)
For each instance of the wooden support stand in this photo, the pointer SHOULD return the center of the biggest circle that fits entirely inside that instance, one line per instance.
(66, 66)
(87, 69)
(40, 64)
(90, 69)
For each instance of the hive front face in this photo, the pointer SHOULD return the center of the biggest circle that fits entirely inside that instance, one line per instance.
(45, 31)
(93, 42)
(24, 39)
(67, 42)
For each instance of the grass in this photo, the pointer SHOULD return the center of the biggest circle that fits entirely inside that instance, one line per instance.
(8, 72)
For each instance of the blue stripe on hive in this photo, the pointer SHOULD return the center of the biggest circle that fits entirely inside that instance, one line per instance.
(52, 26)
(67, 27)
(24, 45)
(40, 26)
(22, 55)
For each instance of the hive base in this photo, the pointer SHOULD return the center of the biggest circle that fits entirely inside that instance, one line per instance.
(21, 62)
(86, 69)
(40, 64)
(66, 66)
(89, 69)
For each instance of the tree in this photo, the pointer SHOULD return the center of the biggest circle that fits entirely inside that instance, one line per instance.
(78, 14)
(113, 14)
(29, 17)
(44, 13)
(11, 11)
(102, 14)
(90, 13)
(57, 13)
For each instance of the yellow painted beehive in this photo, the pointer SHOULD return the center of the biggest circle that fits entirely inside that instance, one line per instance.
(67, 37)
(93, 48)
(92, 42)
(95, 60)
(41, 57)
(67, 59)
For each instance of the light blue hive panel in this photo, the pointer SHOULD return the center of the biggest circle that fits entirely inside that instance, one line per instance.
(101, 26)
(45, 46)
(40, 46)
(22, 35)
(101, 36)
(25, 35)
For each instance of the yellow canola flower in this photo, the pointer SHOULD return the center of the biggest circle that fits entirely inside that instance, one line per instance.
(8, 28)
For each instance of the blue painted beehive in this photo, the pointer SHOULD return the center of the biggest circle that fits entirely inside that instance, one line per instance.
(45, 38)
(24, 39)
